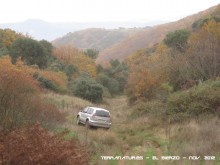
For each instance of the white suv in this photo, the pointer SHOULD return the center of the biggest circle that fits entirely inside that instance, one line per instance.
(92, 116)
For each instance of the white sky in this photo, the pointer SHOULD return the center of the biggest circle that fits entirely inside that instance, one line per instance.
(101, 10)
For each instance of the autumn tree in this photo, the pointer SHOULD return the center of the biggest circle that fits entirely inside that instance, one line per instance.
(203, 55)
(178, 67)
(17, 90)
(20, 100)
(147, 72)
(7, 37)
(214, 16)
(72, 56)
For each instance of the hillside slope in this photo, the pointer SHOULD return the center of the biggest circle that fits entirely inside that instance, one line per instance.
(40, 29)
(96, 38)
(149, 37)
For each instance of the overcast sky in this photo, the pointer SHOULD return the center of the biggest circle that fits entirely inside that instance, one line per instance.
(101, 10)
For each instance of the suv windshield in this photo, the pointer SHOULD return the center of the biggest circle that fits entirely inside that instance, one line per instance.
(101, 113)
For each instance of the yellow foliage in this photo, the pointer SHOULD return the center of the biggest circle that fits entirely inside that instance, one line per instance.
(204, 52)
(8, 36)
(9, 74)
(70, 55)
(147, 72)
(59, 78)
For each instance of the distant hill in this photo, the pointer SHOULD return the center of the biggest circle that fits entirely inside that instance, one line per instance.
(40, 29)
(96, 38)
(150, 36)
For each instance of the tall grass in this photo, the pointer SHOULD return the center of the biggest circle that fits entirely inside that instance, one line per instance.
(66, 103)
(196, 137)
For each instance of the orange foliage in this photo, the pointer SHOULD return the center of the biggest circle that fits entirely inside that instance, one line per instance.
(146, 73)
(20, 100)
(14, 75)
(8, 36)
(35, 145)
(17, 91)
(70, 55)
(59, 78)
(204, 51)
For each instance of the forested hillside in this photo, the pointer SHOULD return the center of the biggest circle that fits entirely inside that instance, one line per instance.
(119, 43)
(148, 37)
(99, 39)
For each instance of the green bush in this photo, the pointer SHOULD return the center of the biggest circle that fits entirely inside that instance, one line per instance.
(48, 84)
(110, 83)
(87, 88)
(3, 51)
(70, 70)
(31, 52)
(202, 99)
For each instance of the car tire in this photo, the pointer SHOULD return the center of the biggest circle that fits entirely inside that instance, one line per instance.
(77, 120)
(87, 124)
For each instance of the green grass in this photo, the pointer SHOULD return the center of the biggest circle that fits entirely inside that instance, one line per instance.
(65, 133)
(149, 155)
(70, 135)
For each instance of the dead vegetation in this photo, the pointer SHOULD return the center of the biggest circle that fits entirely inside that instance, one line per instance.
(35, 145)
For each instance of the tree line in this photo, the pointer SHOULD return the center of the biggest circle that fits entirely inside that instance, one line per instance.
(64, 69)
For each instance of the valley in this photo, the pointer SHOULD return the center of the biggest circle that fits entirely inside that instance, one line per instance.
(161, 85)
(148, 136)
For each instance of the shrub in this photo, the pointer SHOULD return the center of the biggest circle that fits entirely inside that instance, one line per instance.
(110, 83)
(20, 101)
(87, 88)
(35, 145)
(48, 84)
(202, 99)
(56, 81)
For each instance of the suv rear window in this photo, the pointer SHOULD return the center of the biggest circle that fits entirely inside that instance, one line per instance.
(101, 113)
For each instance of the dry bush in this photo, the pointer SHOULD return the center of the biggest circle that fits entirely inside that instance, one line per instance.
(20, 101)
(35, 145)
